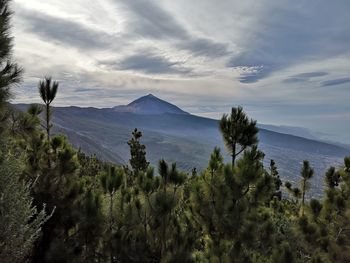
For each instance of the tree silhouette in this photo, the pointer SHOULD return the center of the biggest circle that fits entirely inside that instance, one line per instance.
(48, 91)
(238, 130)
(276, 178)
(10, 73)
(138, 160)
(306, 173)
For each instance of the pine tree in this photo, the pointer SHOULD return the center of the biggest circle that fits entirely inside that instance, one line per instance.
(306, 173)
(10, 72)
(20, 221)
(324, 225)
(91, 226)
(230, 209)
(138, 160)
(54, 167)
(111, 181)
(276, 178)
(57, 187)
(294, 191)
(216, 161)
(48, 91)
(238, 131)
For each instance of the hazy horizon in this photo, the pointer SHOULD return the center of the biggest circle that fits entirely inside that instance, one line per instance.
(282, 61)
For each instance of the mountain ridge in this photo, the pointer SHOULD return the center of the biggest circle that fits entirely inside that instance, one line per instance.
(149, 121)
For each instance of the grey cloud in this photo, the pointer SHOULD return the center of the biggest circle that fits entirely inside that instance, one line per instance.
(310, 74)
(204, 47)
(64, 31)
(287, 34)
(148, 62)
(304, 76)
(254, 76)
(293, 80)
(152, 21)
(334, 82)
(251, 77)
(148, 20)
(252, 73)
(86, 90)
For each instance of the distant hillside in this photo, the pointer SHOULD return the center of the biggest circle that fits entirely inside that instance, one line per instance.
(297, 131)
(183, 138)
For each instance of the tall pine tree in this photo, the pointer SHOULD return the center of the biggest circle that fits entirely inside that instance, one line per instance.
(238, 132)
(10, 72)
(138, 160)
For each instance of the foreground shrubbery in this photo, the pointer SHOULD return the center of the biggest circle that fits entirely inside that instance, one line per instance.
(59, 205)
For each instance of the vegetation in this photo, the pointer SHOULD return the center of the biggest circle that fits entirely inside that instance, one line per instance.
(138, 160)
(238, 131)
(59, 205)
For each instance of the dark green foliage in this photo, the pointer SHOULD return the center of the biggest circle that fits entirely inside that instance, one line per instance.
(10, 73)
(48, 91)
(138, 160)
(111, 180)
(277, 180)
(284, 254)
(91, 226)
(306, 173)
(316, 207)
(332, 177)
(89, 165)
(20, 222)
(56, 186)
(216, 161)
(238, 131)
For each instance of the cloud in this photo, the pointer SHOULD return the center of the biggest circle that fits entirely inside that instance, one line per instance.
(334, 82)
(301, 77)
(308, 75)
(294, 80)
(64, 31)
(150, 20)
(148, 62)
(250, 74)
(204, 47)
(288, 34)
(86, 90)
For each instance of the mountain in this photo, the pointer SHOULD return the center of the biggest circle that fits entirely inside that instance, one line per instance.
(188, 140)
(149, 104)
(297, 131)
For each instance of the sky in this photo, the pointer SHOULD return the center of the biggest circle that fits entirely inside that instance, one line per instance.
(285, 62)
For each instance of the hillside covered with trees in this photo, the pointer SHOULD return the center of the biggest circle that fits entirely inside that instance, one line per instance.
(58, 204)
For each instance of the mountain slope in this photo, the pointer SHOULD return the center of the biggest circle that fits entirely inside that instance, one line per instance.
(184, 138)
